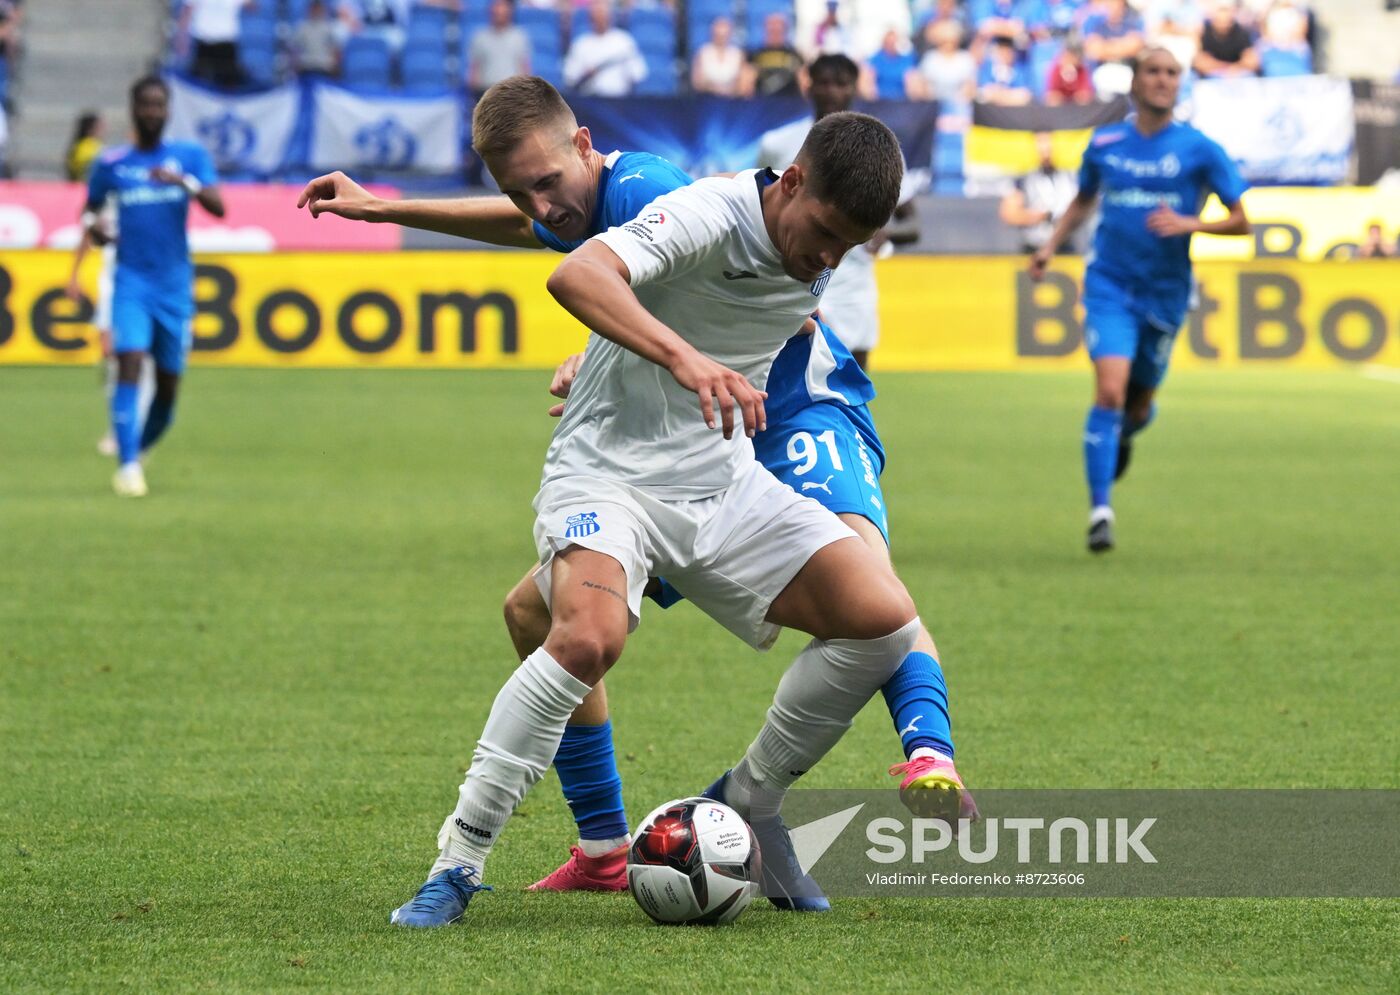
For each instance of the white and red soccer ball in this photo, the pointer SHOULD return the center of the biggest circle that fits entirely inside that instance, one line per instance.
(693, 861)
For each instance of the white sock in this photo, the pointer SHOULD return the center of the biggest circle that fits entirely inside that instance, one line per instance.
(519, 741)
(928, 751)
(596, 848)
(816, 701)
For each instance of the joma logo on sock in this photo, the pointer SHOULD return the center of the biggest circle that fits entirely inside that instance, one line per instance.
(467, 827)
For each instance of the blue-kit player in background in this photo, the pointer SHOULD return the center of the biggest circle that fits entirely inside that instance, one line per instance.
(1153, 175)
(152, 183)
(559, 192)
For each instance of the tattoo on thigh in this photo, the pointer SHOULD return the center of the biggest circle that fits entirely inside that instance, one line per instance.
(606, 590)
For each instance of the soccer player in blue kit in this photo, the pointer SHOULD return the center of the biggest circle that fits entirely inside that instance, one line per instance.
(820, 440)
(1153, 175)
(152, 182)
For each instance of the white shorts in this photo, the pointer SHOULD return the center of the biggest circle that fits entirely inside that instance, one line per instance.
(731, 554)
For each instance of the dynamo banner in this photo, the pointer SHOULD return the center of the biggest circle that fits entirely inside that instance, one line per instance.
(705, 135)
(245, 133)
(1298, 129)
(412, 134)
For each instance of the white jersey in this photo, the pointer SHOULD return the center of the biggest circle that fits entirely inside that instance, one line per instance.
(700, 260)
(851, 304)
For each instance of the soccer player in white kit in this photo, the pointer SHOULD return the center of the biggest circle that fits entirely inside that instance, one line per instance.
(851, 303)
(635, 486)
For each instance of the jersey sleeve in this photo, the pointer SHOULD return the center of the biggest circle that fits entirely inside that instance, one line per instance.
(200, 164)
(1089, 175)
(668, 237)
(1222, 176)
(99, 185)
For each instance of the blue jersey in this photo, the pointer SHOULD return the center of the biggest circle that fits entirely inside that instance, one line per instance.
(1135, 174)
(151, 216)
(808, 370)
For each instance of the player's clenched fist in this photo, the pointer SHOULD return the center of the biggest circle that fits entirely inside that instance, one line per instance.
(335, 193)
(719, 385)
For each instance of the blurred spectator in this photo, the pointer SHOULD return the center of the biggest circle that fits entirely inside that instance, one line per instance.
(718, 66)
(890, 73)
(944, 11)
(500, 49)
(1283, 47)
(1068, 81)
(948, 70)
(604, 61)
(1174, 25)
(831, 36)
(316, 42)
(1003, 79)
(1009, 19)
(1061, 17)
(386, 19)
(84, 148)
(775, 65)
(1040, 197)
(1113, 33)
(1373, 246)
(1226, 46)
(11, 25)
(212, 29)
(871, 19)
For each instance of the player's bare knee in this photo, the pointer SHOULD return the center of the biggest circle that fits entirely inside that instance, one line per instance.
(1110, 396)
(129, 367)
(586, 651)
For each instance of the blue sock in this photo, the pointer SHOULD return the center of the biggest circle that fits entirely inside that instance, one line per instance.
(1101, 451)
(1132, 428)
(918, 703)
(592, 785)
(158, 418)
(125, 425)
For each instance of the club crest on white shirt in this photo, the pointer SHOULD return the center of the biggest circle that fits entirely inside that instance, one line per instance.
(819, 284)
(585, 523)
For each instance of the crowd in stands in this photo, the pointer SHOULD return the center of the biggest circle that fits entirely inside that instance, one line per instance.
(1003, 51)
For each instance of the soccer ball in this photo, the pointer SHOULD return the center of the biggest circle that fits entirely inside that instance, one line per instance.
(693, 860)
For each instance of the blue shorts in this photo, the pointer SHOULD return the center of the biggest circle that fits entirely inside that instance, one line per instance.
(154, 320)
(1119, 323)
(829, 452)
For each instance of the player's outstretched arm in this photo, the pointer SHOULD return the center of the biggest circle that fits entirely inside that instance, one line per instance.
(593, 285)
(486, 219)
(1075, 215)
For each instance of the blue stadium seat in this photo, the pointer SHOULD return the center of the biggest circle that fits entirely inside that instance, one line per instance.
(655, 39)
(424, 69)
(661, 79)
(1038, 62)
(259, 62)
(659, 18)
(544, 29)
(367, 62)
(257, 25)
(548, 67)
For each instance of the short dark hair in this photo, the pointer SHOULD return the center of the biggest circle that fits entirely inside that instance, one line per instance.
(854, 164)
(512, 109)
(834, 62)
(145, 82)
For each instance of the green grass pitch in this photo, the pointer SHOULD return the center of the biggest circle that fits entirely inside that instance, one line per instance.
(234, 714)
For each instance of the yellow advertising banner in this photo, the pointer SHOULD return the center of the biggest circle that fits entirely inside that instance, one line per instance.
(490, 310)
(1303, 223)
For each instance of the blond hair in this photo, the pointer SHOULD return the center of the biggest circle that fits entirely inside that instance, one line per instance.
(515, 107)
